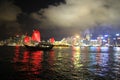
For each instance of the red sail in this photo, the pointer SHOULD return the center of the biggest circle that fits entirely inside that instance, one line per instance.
(36, 36)
(52, 40)
(26, 39)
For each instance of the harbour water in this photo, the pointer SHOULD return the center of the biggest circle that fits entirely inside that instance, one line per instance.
(71, 63)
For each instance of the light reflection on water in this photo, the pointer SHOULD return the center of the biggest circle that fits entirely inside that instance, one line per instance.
(74, 63)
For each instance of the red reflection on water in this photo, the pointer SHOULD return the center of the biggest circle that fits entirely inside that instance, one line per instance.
(98, 49)
(36, 61)
(28, 62)
(98, 58)
(25, 56)
(51, 57)
(16, 56)
(98, 55)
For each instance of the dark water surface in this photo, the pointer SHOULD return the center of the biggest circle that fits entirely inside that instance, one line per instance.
(74, 63)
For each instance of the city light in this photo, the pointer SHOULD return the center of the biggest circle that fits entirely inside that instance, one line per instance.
(106, 35)
(117, 34)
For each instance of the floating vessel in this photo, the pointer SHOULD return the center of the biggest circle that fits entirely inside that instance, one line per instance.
(39, 46)
(35, 43)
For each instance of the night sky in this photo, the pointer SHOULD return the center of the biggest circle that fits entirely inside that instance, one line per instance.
(59, 18)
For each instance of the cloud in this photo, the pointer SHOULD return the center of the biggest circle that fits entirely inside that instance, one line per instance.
(8, 19)
(80, 14)
(8, 11)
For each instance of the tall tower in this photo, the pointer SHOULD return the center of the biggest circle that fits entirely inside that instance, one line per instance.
(87, 35)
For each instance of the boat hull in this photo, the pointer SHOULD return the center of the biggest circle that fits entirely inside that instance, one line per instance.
(40, 46)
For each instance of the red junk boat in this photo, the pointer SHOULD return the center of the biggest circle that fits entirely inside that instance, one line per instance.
(34, 42)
